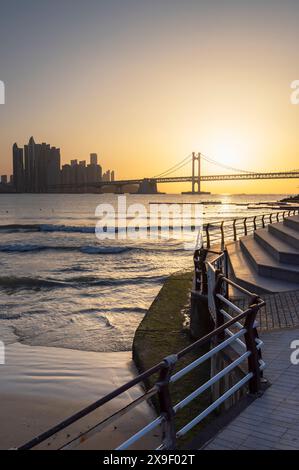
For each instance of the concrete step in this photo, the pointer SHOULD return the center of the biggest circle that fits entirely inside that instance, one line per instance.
(280, 250)
(292, 222)
(265, 264)
(245, 274)
(285, 233)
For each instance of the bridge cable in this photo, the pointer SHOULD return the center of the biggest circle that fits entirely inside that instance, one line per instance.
(175, 167)
(222, 165)
(165, 175)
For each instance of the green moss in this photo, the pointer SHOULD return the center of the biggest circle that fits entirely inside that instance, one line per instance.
(164, 331)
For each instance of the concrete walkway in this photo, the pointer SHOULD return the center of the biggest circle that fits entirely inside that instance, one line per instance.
(281, 310)
(272, 421)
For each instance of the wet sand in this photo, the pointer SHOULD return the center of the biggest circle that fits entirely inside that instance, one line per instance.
(41, 386)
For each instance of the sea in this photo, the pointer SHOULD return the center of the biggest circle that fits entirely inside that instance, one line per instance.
(63, 285)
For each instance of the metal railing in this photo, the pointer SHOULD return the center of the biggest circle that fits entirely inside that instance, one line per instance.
(220, 300)
(217, 234)
(220, 232)
(221, 337)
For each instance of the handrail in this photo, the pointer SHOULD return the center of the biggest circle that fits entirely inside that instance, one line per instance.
(217, 234)
(220, 231)
(166, 377)
(289, 213)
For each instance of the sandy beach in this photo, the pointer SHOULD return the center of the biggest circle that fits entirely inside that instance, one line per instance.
(41, 386)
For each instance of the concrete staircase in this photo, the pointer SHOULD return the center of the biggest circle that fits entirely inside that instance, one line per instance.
(268, 260)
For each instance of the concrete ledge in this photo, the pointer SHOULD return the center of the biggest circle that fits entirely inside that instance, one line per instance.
(165, 330)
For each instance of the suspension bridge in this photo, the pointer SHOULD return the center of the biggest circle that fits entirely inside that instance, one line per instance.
(149, 185)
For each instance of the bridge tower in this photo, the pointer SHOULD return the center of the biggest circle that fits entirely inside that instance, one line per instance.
(196, 179)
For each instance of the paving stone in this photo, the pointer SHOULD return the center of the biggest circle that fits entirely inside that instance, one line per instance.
(272, 421)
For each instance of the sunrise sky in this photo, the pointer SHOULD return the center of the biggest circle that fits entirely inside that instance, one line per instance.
(144, 83)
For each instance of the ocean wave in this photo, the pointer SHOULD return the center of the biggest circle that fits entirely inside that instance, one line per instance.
(102, 250)
(12, 282)
(20, 228)
(92, 250)
(48, 228)
(21, 248)
(9, 316)
(95, 281)
(66, 228)
(88, 249)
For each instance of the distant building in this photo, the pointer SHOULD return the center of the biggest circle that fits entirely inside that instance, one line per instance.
(81, 175)
(3, 179)
(93, 159)
(53, 177)
(93, 170)
(18, 169)
(37, 168)
(66, 172)
(107, 176)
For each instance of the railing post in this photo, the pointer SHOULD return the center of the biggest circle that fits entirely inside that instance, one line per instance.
(263, 221)
(166, 408)
(254, 223)
(277, 217)
(218, 304)
(197, 271)
(208, 236)
(204, 277)
(235, 230)
(250, 339)
(201, 281)
(226, 272)
(222, 234)
(245, 226)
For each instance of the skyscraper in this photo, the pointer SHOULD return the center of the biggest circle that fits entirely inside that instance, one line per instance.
(18, 169)
(37, 170)
(53, 175)
(93, 159)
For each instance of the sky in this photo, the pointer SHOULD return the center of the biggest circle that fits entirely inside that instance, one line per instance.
(145, 83)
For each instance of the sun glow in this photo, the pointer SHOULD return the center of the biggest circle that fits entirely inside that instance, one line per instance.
(231, 151)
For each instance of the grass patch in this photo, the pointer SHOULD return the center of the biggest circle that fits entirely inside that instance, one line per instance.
(164, 331)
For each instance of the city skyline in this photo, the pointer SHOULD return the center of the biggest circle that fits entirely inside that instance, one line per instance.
(37, 169)
(215, 77)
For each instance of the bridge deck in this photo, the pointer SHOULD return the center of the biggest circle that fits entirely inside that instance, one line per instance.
(272, 421)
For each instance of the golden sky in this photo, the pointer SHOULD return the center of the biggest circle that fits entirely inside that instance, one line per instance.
(144, 84)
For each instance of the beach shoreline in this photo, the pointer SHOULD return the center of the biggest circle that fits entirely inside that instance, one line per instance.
(41, 386)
